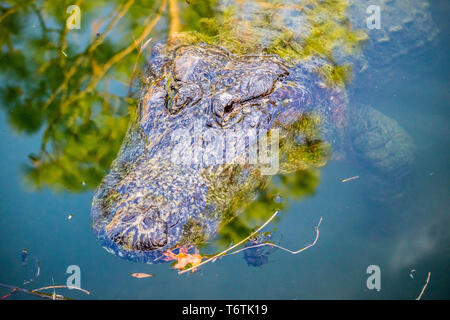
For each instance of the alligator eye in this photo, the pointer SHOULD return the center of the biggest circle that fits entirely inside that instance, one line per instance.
(225, 108)
(228, 108)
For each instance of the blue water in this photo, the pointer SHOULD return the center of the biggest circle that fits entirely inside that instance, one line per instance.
(411, 235)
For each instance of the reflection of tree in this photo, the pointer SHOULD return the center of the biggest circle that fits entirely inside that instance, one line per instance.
(58, 82)
(299, 177)
(276, 196)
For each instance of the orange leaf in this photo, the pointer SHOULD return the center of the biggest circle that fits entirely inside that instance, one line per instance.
(183, 258)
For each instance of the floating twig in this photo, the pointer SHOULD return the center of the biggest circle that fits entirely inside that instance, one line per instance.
(349, 179)
(34, 293)
(424, 287)
(61, 286)
(230, 248)
(8, 295)
(282, 248)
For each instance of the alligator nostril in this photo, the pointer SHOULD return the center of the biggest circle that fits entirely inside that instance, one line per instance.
(160, 242)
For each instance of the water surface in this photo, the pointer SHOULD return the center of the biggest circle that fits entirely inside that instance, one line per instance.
(406, 235)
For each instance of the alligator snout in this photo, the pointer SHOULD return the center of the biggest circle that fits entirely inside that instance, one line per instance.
(138, 231)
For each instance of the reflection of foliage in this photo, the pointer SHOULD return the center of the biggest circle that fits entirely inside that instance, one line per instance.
(228, 31)
(60, 82)
(302, 147)
(276, 196)
(56, 81)
(299, 177)
(197, 12)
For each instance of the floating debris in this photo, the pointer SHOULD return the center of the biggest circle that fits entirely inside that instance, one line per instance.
(38, 271)
(9, 294)
(316, 228)
(34, 293)
(214, 258)
(258, 256)
(424, 287)
(141, 275)
(24, 256)
(60, 286)
(224, 253)
(65, 55)
(69, 217)
(31, 266)
(349, 179)
(411, 273)
(38, 292)
(184, 259)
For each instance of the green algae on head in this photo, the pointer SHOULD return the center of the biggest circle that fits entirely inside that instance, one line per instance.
(247, 28)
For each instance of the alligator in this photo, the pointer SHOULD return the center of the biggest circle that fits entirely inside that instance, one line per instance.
(160, 194)
(213, 126)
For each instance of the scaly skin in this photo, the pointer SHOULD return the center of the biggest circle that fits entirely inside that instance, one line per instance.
(151, 202)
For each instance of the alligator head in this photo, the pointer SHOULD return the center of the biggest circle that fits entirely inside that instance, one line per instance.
(178, 168)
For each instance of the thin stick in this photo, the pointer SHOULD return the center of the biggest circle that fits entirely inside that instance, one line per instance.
(38, 294)
(424, 287)
(282, 248)
(9, 294)
(351, 178)
(60, 286)
(230, 248)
